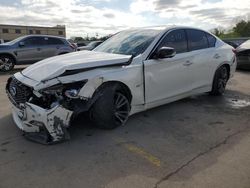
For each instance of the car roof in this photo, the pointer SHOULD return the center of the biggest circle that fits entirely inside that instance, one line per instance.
(52, 36)
(165, 28)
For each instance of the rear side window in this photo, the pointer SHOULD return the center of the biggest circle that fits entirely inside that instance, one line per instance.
(34, 41)
(196, 39)
(211, 40)
(55, 41)
(177, 40)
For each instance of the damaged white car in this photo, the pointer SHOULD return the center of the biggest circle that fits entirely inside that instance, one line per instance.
(133, 71)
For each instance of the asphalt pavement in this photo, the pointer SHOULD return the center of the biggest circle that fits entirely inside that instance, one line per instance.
(201, 141)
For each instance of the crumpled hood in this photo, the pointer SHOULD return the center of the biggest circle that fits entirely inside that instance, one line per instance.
(55, 66)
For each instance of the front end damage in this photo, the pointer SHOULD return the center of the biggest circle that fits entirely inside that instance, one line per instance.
(44, 116)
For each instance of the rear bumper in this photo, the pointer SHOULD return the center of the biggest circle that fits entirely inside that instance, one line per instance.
(34, 121)
(243, 62)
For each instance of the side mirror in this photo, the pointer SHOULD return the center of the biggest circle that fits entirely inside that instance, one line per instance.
(21, 44)
(165, 52)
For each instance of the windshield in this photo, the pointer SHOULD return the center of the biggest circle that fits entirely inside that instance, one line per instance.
(132, 42)
(15, 40)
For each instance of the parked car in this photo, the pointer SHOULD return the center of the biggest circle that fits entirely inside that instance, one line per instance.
(133, 71)
(90, 46)
(235, 42)
(232, 43)
(243, 55)
(80, 44)
(30, 49)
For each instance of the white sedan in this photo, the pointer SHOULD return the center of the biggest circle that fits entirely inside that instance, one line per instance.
(133, 71)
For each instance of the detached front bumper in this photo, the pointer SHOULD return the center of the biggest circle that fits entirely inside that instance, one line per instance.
(42, 125)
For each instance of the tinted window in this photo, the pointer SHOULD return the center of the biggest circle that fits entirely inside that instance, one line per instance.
(177, 40)
(55, 41)
(211, 40)
(196, 39)
(34, 41)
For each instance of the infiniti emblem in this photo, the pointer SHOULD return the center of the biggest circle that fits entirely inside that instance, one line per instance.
(13, 91)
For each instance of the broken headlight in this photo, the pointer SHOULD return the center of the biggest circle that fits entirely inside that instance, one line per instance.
(58, 94)
(72, 93)
(70, 90)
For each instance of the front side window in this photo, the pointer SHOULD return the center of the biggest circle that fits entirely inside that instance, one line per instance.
(131, 42)
(34, 41)
(196, 39)
(175, 39)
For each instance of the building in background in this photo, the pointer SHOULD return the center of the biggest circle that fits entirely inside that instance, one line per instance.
(11, 32)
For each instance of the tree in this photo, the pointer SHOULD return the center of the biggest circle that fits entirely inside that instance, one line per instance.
(78, 39)
(242, 28)
(218, 31)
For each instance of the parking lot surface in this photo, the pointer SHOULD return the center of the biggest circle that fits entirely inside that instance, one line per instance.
(201, 141)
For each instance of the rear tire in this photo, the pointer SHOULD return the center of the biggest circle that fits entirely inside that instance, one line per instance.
(111, 109)
(7, 63)
(220, 81)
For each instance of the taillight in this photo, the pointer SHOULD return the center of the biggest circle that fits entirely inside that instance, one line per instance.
(73, 46)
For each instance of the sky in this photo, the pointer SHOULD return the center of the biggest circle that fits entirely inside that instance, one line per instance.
(104, 17)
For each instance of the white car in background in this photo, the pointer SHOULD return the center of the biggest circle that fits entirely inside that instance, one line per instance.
(133, 71)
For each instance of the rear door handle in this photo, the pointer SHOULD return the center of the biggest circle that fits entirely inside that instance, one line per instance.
(188, 63)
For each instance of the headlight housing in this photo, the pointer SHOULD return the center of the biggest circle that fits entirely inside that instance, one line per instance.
(72, 93)
(69, 90)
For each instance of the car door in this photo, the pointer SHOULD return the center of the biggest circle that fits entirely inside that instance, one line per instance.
(202, 53)
(169, 77)
(53, 47)
(30, 49)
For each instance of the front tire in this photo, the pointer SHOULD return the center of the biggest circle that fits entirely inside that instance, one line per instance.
(220, 81)
(111, 109)
(7, 63)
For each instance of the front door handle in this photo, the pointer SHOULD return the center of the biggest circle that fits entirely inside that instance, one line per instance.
(188, 63)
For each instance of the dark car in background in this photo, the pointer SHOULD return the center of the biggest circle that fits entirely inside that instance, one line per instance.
(235, 42)
(243, 55)
(90, 46)
(32, 48)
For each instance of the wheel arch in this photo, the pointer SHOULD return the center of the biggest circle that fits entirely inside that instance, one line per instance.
(10, 55)
(123, 88)
(225, 64)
